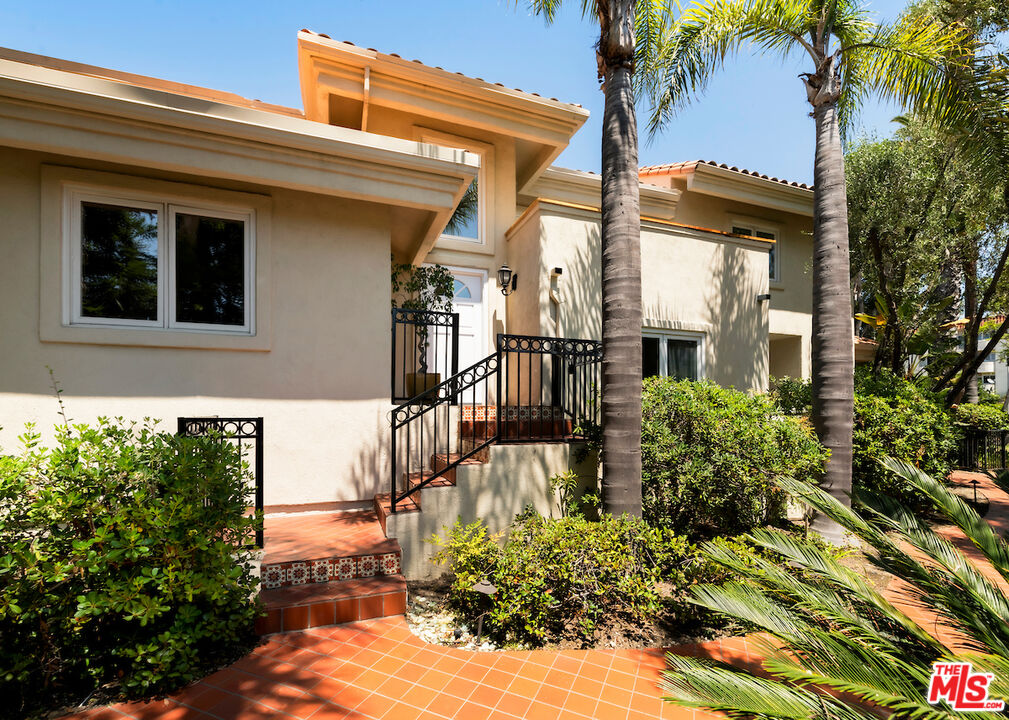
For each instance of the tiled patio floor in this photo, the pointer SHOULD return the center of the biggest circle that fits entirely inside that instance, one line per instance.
(379, 669)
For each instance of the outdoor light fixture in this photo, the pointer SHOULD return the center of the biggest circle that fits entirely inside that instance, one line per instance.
(764, 298)
(507, 279)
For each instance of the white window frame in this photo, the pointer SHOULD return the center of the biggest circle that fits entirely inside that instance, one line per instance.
(167, 208)
(755, 225)
(485, 194)
(662, 335)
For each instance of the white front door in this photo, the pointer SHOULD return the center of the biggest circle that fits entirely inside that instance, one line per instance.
(468, 302)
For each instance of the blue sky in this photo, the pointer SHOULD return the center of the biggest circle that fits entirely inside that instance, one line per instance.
(754, 115)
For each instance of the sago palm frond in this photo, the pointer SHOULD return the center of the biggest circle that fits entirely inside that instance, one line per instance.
(836, 646)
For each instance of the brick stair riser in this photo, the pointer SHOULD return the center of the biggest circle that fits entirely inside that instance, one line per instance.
(333, 569)
(331, 612)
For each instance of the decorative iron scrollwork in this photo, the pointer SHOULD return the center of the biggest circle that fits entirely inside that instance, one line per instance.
(237, 428)
(565, 347)
(404, 316)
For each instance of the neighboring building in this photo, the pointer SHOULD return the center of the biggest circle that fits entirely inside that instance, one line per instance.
(175, 251)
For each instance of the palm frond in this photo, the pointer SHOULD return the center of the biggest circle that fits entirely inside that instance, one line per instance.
(972, 525)
(739, 695)
(705, 34)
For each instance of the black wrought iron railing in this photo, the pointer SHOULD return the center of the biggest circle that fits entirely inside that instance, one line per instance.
(547, 387)
(982, 449)
(425, 350)
(530, 389)
(243, 432)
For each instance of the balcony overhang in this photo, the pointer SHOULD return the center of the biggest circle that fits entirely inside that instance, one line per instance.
(342, 84)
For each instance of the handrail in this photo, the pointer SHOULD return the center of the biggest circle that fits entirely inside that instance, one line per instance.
(513, 395)
(433, 401)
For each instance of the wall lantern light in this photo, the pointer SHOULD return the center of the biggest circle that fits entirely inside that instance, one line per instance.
(507, 279)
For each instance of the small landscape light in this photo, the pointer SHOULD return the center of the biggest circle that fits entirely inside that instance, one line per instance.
(484, 587)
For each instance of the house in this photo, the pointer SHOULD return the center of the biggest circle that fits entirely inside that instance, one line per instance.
(172, 251)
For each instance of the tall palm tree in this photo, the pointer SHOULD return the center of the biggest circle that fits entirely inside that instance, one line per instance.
(828, 629)
(628, 30)
(851, 58)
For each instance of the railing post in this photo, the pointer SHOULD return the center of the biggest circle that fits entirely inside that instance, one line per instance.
(1002, 436)
(500, 371)
(392, 363)
(455, 350)
(392, 468)
(261, 521)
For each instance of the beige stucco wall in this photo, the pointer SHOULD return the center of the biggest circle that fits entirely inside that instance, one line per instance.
(791, 305)
(691, 281)
(321, 383)
(515, 477)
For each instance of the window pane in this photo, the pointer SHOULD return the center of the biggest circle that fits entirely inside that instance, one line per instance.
(209, 270)
(119, 262)
(682, 359)
(649, 356)
(465, 222)
(736, 230)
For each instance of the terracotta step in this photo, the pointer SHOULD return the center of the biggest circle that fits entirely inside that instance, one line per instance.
(299, 607)
(446, 480)
(533, 430)
(383, 506)
(312, 548)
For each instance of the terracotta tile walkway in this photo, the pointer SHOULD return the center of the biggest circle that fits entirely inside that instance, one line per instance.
(379, 669)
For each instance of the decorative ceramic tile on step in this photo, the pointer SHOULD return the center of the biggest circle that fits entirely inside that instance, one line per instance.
(346, 568)
(298, 573)
(322, 570)
(367, 566)
(390, 564)
(273, 576)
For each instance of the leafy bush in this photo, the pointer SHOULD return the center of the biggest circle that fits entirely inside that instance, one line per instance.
(118, 564)
(559, 578)
(794, 396)
(981, 417)
(710, 457)
(897, 417)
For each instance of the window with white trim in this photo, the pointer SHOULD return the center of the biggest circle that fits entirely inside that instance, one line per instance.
(678, 355)
(763, 234)
(154, 264)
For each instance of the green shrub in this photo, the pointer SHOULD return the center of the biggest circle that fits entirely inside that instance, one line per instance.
(118, 564)
(559, 578)
(794, 396)
(897, 417)
(987, 397)
(710, 457)
(981, 417)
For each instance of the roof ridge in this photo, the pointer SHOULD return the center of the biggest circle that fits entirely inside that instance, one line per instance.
(145, 81)
(449, 72)
(661, 169)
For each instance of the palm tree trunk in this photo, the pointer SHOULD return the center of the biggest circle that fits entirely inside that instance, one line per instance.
(832, 344)
(621, 265)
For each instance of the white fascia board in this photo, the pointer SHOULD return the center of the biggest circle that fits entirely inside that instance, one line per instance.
(585, 188)
(70, 114)
(730, 185)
